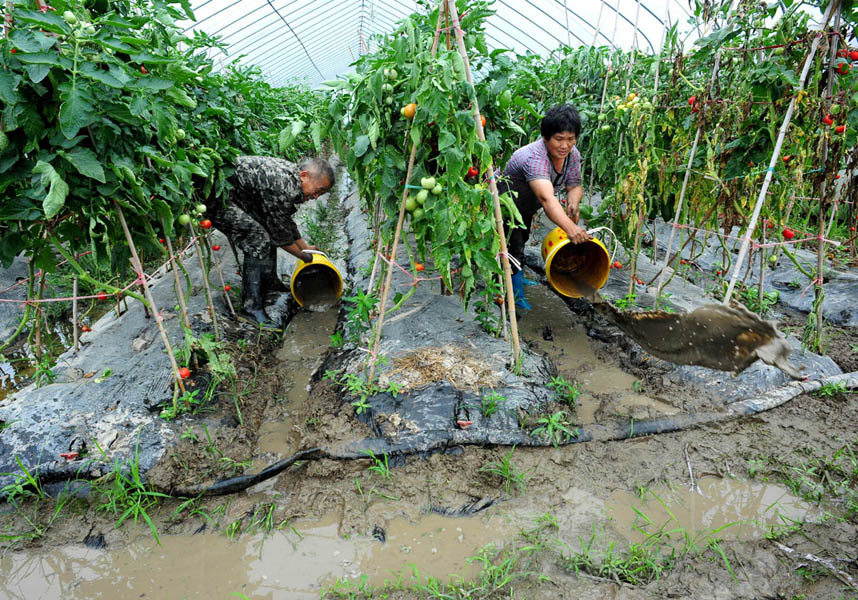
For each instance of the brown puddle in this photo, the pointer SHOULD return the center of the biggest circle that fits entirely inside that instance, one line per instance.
(727, 509)
(306, 337)
(574, 359)
(294, 562)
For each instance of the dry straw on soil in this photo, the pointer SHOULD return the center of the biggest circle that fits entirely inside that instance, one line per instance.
(448, 363)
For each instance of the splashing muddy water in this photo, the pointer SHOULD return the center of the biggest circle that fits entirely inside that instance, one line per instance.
(605, 387)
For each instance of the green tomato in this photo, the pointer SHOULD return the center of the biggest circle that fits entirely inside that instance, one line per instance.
(184, 219)
(603, 116)
(388, 100)
(835, 109)
(421, 196)
(392, 74)
(410, 204)
(180, 134)
(201, 208)
(402, 111)
(427, 182)
(69, 17)
(436, 191)
(418, 213)
(605, 128)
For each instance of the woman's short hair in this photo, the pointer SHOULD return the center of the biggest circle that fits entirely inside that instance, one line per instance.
(562, 117)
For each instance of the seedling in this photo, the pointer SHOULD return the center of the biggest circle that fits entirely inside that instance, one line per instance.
(555, 428)
(381, 467)
(511, 476)
(490, 402)
(565, 392)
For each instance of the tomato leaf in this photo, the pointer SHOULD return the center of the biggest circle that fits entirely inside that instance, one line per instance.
(37, 72)
(49, 21)
(186, 6)
(30, 41)
(86, 163)
(76, 111)
(8, 85)
(91, 71)
(57, 191)
(361, 145)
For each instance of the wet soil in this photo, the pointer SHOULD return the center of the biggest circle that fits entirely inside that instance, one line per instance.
(721, 506)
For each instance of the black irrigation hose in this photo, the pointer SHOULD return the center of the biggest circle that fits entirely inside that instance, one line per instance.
(618, 430)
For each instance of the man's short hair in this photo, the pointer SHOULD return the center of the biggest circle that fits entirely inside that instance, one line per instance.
(562, 117)
(318, 167)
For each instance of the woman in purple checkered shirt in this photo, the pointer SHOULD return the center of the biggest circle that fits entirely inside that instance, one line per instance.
(535, 174)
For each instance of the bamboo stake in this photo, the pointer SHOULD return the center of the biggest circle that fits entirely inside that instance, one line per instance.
(220, 275)
(392, 257)
(746, 240)
(460, 42)
(179, 293)
(205, 281)
(138, 268)
(818, 289)
(75, 337)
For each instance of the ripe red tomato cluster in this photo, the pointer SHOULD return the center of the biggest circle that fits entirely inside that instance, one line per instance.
(694, 103)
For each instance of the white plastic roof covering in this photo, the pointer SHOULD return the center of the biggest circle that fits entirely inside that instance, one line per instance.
(315, 40)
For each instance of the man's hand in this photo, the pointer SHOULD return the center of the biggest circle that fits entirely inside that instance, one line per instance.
(577, 235)
(306, 257)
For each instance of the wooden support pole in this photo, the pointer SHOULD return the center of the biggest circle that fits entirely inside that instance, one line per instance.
(746, 239)
(507, 273)
(147, 293)
(392, 256)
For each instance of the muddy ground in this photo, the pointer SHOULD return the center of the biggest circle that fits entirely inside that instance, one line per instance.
(563, 533)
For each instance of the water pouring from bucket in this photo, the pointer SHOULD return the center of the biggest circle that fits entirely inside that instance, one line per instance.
(575, 270)
(316, 285)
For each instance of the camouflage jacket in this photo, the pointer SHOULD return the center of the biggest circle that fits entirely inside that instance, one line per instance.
(269, 190)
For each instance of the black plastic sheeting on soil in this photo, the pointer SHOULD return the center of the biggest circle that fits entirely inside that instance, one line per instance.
(445, 362)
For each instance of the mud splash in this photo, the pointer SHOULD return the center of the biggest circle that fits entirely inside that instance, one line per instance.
(606, 390)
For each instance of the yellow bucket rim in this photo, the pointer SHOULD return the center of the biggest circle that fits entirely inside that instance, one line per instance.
(556, 240)
(319, 258)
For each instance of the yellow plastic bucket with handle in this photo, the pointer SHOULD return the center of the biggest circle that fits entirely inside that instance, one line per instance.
(575, 270)
(317, 283)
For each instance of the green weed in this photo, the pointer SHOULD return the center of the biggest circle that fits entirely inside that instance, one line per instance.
(490, 402)
(565, 392)
(555, 428)
(511, 477)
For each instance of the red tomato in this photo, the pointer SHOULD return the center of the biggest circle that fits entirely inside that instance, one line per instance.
(840, 128)
(226, 288)
(617, 264)
(101, 295)
(418, 267)
(205, 224)
(143, 69)
(472, 171)
(788, 233)
(828, 120)
(215, 248)
(184, 372)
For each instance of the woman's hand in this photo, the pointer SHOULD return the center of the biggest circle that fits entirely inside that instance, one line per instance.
(577, 234)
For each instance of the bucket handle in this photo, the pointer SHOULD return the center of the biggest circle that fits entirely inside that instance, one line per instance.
(315, 252)
(613, 237)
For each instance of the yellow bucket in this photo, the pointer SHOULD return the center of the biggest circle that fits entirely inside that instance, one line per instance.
(318, 282)
(575, 270)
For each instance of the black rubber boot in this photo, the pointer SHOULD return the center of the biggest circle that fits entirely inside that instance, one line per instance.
(252, 296)
(271, 282)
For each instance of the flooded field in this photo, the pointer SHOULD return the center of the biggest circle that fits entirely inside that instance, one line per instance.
(693, 514)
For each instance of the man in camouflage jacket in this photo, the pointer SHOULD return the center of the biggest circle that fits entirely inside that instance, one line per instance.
(257, 218)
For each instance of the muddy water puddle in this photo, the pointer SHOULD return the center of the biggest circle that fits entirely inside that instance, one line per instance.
(294, 561)
(306, 338)
(603, 385)
(726, 509)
